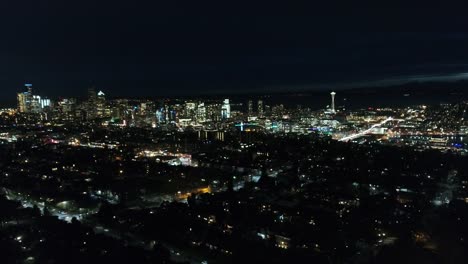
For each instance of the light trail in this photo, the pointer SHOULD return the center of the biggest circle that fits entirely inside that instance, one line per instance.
(367, 131)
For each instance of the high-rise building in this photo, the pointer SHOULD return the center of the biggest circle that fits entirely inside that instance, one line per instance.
(67, 105)
(250, 108)
(213, 112)
(166, 113)
(45, 103)
(173, 115)
(36, 104)
(25, 99)
(91, 107)
(119, 109)
(226, 109)
(189, 111)
(267, 110)
(260, 108)
(160, 115)
(92, 95)
(201, 113)
(67, 108)
(101, 104)
(22, 102)
(277, 110)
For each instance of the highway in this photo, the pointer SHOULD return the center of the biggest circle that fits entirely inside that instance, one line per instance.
(365, 132)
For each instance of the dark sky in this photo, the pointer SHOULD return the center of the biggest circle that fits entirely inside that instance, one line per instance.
(170, 47)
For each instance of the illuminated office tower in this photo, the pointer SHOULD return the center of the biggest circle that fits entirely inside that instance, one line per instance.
(101, 104)
(260, 108)
(119, 109)
(36, 104)
(92, 95)
(67, 108)
(91, 108)
(267, 110)
(67, 105)
(250, 108)
(25, 99)
(213, 112)
(143, 108)
(226, 109)
(333, 101)
(173, 115)
(22, 102)
(189, 110)
(160, 115)
(45, 103)
(201, 113)
(166, 112)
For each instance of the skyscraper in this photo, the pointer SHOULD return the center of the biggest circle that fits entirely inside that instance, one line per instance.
(260, 108)
(91, 107)
(250, 108)
(190, 110)
(36, 104)
(45, 103)
(226, 109)
(22, 105)
(166, 112)
(101, 104)
(201, 113)
(67, 106)
(214, 112)
(25, 100)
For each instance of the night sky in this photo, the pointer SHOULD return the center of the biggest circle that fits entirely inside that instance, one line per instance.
(135, 48)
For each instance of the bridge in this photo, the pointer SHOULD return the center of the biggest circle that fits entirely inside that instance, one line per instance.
(367, 131)
(242, 125)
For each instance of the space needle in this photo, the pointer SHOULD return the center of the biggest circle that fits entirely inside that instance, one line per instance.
(333, 102)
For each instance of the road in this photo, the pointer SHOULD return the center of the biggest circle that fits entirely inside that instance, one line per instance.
(367, 131)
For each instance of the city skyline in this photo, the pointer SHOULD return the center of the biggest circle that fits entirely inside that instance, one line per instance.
(256, 173)
(164, 132)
